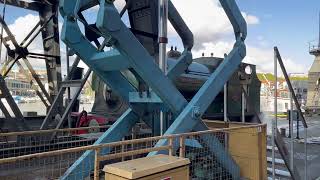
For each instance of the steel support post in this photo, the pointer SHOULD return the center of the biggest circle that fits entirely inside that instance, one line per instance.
(291, 132)
(163, 40)
(305, 153)
(138, 60)
(274, 122)
(225, 111)
(51, 45)
(225, 102)
(243, 99)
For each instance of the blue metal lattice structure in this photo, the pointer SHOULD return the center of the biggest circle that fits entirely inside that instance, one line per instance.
(128, 54)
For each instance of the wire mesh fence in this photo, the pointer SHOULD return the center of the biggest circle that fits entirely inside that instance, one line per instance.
(201, 150)
(30, 142)
(206, 150)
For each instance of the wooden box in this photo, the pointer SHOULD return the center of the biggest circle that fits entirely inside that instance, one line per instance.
(159, 167)
(248, 147)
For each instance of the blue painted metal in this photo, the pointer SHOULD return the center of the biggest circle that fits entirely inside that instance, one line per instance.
(180, 67)
(130, 53)
(111, 25)
(111, 60)
(83, 166)
(222, 156)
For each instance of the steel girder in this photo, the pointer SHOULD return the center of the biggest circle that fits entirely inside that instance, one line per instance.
(51, 46)
(132, 55)
(48, 13)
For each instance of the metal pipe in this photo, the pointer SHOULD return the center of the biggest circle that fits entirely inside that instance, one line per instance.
(180, 26)
(298, 107)
(225, 105)
(225, 112)
(125, 8)
(306, 154)
(291, 132)
(68, 69)
(1, 38)
(163, 40)
(243, 106)
(275, 117)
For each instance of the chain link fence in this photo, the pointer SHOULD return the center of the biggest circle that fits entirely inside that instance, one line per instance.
(30, 142)
(206, 150)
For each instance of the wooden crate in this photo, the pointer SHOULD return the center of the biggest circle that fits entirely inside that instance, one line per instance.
(150, 168)
(248, 147)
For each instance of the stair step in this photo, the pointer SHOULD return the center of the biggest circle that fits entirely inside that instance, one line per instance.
(269, 148)
(270, 178)
(71, 83)
(279, 172)
(276, 160)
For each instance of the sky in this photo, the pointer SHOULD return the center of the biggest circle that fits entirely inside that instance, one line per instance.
(288, 24)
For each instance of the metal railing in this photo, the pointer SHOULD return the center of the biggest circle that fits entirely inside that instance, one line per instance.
(314, 47)
(29, 142)
(53, 164)
(276, 137)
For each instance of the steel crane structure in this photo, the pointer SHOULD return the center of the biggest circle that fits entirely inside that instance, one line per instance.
(134, 50)
(19, 53)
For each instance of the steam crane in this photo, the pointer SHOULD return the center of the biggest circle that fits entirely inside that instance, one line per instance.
(156, 91)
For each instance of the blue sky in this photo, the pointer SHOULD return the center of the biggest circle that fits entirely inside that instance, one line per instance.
(288, 24)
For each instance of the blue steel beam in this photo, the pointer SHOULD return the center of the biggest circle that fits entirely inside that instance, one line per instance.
(189, 118)
(110, 24)
(83, 166)
(98, 61)
(181, 66)
(111, 60)
(73, 37)
(221, 155)
(234, 14)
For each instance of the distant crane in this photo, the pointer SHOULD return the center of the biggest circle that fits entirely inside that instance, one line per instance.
(314, 76)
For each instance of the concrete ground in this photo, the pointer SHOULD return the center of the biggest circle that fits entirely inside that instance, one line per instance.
(313, 145)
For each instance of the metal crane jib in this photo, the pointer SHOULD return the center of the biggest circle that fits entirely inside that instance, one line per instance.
(128, 54)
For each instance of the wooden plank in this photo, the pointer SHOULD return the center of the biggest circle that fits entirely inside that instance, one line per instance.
(178, 173)
(248, 149)
(133, 153)
(143, 167)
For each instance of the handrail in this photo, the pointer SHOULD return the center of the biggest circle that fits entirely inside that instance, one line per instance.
(295, 99)
(50, 131)
(108, 145)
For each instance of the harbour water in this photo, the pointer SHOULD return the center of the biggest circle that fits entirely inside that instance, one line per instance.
(40, 108)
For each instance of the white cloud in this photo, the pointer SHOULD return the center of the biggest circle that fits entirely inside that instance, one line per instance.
(262, 57)
(207, 20)
(20, 28)
(250, 18)
(119, 5)
(211, 28)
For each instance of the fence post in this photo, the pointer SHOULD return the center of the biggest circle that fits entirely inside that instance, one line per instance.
(97, 164)
(123, 146)
(182, 147)
(171, 146)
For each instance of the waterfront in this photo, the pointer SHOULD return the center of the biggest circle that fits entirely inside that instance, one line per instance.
(41, 109)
